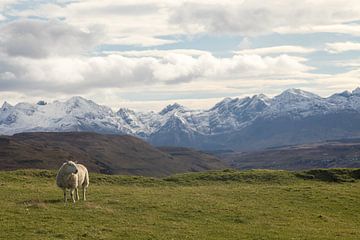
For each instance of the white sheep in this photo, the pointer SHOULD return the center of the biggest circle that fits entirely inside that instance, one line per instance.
(72, 176)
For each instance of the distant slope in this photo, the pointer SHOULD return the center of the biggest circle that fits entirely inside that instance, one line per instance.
(111, 154)
(198, 159)
(329, 154)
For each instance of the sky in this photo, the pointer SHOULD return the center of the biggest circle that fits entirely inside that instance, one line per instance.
(146, 54)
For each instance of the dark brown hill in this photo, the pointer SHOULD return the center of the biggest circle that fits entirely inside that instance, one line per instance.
(112, 154)
(329, 154)
(198, 159)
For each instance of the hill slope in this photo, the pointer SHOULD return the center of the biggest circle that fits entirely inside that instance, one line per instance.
(111, 154)
(329, 154)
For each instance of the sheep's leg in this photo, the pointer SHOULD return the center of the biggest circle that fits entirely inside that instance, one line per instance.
(65, 199)
(77, 194)
(84, 193)
(72, 195)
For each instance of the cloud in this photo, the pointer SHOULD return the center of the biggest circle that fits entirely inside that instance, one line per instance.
(40, 39)
(131, 19)
(245, 43)
(276, 50)
(143, 41)
(81, 74)
(6, 3)
(350, 29)
(253, 18)
(61, 48)
(349, 63)
(339, 47)
(336, 83)
(140, 23)
(158, 53)
(145, 23)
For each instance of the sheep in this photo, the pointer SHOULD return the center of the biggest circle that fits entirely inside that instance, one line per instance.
(72, 176)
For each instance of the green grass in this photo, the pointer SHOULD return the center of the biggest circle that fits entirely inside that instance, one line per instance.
(256, 204)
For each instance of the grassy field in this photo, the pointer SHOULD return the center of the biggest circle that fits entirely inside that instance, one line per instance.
(258, 204)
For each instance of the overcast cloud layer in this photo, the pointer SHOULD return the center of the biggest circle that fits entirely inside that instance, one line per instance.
(145, 54)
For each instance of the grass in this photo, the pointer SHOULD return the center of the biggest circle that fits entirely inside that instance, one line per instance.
(256, 204)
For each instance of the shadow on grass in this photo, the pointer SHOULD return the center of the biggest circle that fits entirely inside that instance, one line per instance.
(39, 203)
(53, 201)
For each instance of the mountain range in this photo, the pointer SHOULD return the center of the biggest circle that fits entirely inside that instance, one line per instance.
(250, 123)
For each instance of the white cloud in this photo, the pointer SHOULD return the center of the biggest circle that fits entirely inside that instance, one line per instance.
(123, 22)
(38, 51)
(145, 22)
(251, 18)
(328, 85)
(351, 63)
(276, 50)
(339, 47)
(80, 74)
(143, 41)
(6, 3)
(40, 39)
(351, 29)
(62, 54)
(245, 43)
(158, 53)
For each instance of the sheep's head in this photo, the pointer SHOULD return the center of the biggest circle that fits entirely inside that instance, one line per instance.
(70, 167)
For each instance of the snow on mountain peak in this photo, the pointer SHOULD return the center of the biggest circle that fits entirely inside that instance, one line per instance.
(27, 108)
(79, 105)
(356, 91)
(173, 107)
(230, 104)
(77, 100)
(222, 103)
(344, 94)
(296, 93)
(261, 98)
(129, 116)
(230, 114)
(175, 122)
(125, 111)
(6, 106)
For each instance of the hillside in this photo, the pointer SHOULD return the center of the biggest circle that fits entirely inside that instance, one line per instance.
(241, 124)
(329, 154)
(111, 154)
(257, 204)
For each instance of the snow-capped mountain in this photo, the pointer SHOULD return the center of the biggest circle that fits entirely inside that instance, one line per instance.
(294, 116)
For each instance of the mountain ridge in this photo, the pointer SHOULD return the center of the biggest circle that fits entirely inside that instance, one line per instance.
(223, 126)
